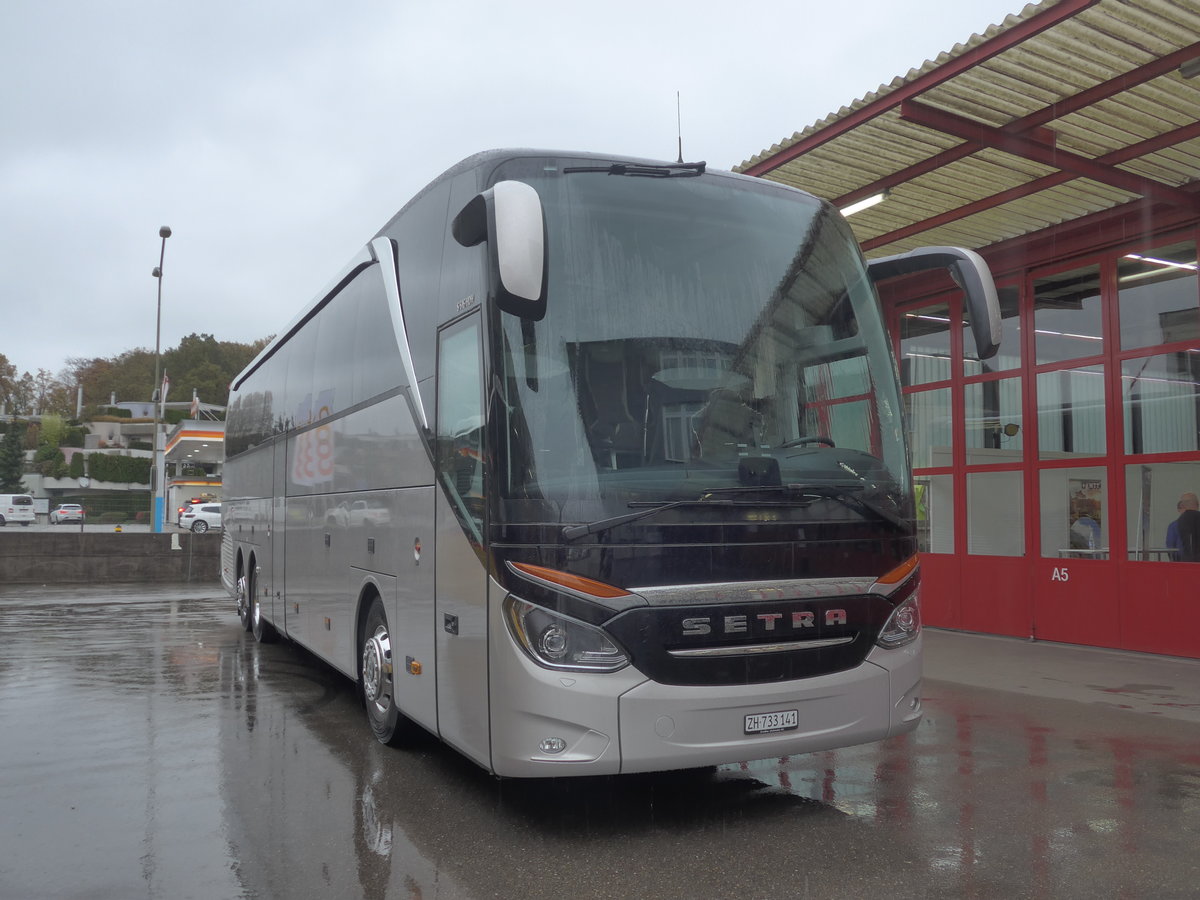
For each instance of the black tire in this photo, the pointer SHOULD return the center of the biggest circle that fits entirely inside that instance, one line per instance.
(377, 676)
(199, 526)
(243, 602)
(264, 631)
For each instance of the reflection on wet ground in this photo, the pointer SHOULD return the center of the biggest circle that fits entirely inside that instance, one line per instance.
(150, 749)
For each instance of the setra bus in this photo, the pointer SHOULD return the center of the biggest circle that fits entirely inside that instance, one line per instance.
(591, 465)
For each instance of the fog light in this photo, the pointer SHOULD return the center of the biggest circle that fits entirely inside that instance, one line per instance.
(553, 745)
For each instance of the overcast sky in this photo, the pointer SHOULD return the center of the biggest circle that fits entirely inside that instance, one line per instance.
(275, 138)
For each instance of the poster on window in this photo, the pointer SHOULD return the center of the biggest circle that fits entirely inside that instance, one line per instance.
(1087, 512)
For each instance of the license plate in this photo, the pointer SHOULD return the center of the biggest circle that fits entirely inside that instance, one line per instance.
(764, 723)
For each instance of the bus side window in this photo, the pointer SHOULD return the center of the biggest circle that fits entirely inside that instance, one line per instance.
(460, 422)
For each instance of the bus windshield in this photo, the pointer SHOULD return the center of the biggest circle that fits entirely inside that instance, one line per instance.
(703, 335)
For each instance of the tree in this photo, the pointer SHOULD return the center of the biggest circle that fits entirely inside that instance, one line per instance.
(53, 395)
(12, 460)
(53, 430)
(8, 379)
(26, 394)
(200, 362)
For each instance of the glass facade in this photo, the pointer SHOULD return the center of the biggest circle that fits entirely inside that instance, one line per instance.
(1157, 296)
(1067, 315)
(1079, 442)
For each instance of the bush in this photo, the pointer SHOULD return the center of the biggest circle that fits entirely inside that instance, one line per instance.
(120, 469)
(51, 462)
(73, 437)
(112, 518)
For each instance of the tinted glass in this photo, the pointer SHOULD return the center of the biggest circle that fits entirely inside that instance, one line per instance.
(1156, 495)
(1067, 318)
(1009, 355)
(1158, 296)
(701, 333)
(993, 421)
(1074, 513)
(925, 344)
(929, 431)
(1071, 412)
(460, 422)
(1160, 398)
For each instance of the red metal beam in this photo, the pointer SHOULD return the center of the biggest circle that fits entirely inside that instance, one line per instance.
(1133, 151)
(1056, 110)
(1022, 31)
(1027, 148)
(1119, 225)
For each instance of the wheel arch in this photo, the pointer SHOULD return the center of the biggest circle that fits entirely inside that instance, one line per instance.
(368, 591)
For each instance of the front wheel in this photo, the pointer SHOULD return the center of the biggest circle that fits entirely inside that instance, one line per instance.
(378, 673)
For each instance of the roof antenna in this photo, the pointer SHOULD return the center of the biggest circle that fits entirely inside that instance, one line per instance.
(679, 127)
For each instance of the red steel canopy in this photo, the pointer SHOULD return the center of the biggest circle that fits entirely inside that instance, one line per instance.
(1075, 114)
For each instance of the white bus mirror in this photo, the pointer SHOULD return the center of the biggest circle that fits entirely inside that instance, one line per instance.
(969, 271)
(509, 217)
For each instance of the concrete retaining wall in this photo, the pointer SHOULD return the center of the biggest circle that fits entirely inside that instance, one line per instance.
(94, 558)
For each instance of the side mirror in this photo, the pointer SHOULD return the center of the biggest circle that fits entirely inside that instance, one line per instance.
(509, 217)
(969, 271)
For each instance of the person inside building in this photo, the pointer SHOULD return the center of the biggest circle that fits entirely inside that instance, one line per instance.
(1183, 535)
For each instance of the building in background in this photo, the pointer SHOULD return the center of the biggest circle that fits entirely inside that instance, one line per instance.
(1064, 146)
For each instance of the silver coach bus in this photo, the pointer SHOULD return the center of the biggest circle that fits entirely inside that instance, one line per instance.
(591, 465)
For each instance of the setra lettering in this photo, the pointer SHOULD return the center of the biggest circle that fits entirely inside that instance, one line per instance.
(698, 626)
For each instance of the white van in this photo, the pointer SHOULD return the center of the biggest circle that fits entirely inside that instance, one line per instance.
(16, 508)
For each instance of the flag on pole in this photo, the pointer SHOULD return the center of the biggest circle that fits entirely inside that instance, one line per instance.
(195, 410)
(162, 394)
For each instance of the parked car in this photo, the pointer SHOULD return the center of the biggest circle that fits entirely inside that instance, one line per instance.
(183, 507)
(66, 512)
(16, 508)
(201, 517)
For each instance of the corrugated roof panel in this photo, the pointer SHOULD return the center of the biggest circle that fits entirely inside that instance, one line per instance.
(1109, 41)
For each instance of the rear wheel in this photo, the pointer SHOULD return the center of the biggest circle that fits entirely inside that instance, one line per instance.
(378, 672)
(264, 631)
(199, 526)
(243, 603)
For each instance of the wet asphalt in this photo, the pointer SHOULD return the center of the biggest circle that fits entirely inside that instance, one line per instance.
(149, 748)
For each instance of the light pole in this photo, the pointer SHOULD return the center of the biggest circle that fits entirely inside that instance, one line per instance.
(157, 475)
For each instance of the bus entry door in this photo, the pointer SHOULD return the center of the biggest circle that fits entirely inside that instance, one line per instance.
(461, 579)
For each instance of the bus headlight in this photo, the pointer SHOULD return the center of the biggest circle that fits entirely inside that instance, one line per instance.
(903, 625)
(558, 642)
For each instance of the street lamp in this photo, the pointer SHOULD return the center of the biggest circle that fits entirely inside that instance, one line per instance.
(157, 475)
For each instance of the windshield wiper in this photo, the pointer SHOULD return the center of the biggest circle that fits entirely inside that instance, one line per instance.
(796, 494)
(667, 170)
(574, 532)
(851, 497)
